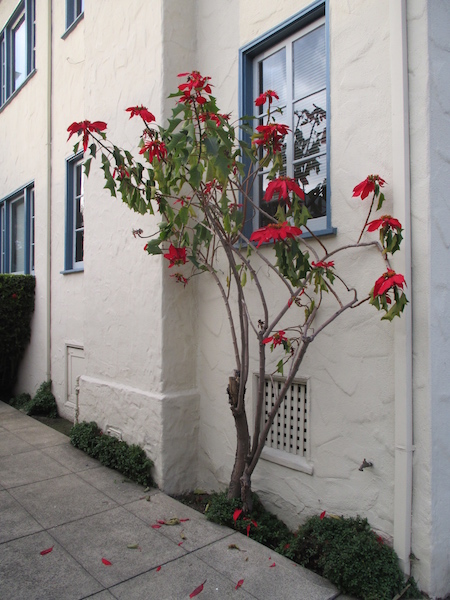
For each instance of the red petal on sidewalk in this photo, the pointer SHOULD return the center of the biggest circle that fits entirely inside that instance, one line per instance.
(197, 590)
(46, 551)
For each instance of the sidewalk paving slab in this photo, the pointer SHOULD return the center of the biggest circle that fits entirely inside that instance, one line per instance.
(54, 496)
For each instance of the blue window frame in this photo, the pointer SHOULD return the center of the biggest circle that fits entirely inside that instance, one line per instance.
(74, 249)
(17, 231)
(292, 59)
(74, 12)
(17, 49)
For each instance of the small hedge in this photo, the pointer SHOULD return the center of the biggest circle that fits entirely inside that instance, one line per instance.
(43, 404)
(131, 461)
(344, 550)
(16, 309)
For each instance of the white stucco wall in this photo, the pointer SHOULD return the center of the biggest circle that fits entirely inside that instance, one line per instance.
(23, 159)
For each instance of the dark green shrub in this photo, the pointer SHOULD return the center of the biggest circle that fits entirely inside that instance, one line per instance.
(85, 437)
(21, 402)
(16, 309)
(348, 553)
(269, 530)
(44, 402)
(131, 461)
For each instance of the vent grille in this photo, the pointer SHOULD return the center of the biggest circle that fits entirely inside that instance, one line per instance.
(289, 431)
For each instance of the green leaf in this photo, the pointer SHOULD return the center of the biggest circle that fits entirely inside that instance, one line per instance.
(87, 166)
(153, 247)
(93, 150)
(280, 365)
(212, 146)
(381, 199)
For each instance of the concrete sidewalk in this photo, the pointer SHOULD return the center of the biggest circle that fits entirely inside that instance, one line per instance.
(54, 496)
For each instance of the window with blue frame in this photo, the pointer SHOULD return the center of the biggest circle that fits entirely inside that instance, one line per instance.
(17, 49)
(292, 60)
(17, 231)
(74, 250)
(74, 10)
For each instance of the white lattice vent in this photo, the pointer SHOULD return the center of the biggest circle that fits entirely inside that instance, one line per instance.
(289, 431)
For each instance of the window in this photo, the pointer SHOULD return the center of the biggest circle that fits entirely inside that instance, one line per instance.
(74, 215)
(17, 232)
(292, 60)
(287, 442)
(17, 49)
(74, 10)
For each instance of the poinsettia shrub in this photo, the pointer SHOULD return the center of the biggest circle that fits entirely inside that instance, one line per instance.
(197, 174)
(16, 310)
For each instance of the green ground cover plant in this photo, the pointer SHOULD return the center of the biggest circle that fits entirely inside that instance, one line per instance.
(130, 460)
(344, 550)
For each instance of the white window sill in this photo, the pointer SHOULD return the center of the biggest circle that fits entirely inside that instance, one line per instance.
(297, 463)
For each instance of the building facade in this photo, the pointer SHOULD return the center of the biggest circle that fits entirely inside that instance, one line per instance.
(148, 360)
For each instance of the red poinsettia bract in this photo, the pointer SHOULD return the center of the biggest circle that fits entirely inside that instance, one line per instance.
(367, 186)
(85, 127)
(194, 88)
(274, 232)
(322, 264)
(141, 111)
(384, 222)
(276, 339)
(268, 95)
(154, 148)
(282, 186)
(176, 256)
(271, 135)
(388, 280)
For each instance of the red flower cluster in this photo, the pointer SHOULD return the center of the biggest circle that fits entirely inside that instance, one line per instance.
(194, 87)
(85, 127)
(176, 256)
(367, 186)
(322, 264)
(120, 172)
(276, 339)
(271, 135)
(179, 277)
(154, 148)
(217, 118)
(388, 280)
(282, 186)
(384, 222)
(274, 231)
(268, 95)
(141, 111)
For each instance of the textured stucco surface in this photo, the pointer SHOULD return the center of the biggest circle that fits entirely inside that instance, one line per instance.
(157, 357)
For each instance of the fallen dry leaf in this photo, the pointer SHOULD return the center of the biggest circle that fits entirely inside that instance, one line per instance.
(233, 547)
(197, 590)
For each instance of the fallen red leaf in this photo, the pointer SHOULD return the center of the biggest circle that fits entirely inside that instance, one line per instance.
(158, 568)
(46, 551)
(239, 583)
(156, 526)
(106, 562)
(183, 520)
(322, 515)
(236, 514)
(272, 565)
(179, 543)
(161, 522)
(197, 590)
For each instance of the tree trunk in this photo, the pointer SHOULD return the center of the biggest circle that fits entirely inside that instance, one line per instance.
(242, 436)
(246, 493)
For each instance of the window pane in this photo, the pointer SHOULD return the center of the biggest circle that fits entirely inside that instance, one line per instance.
(311, 175)
(79, 242)
(310, 126)
(20, 54)
(309, 63)
(17, 236)
(273, 75)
